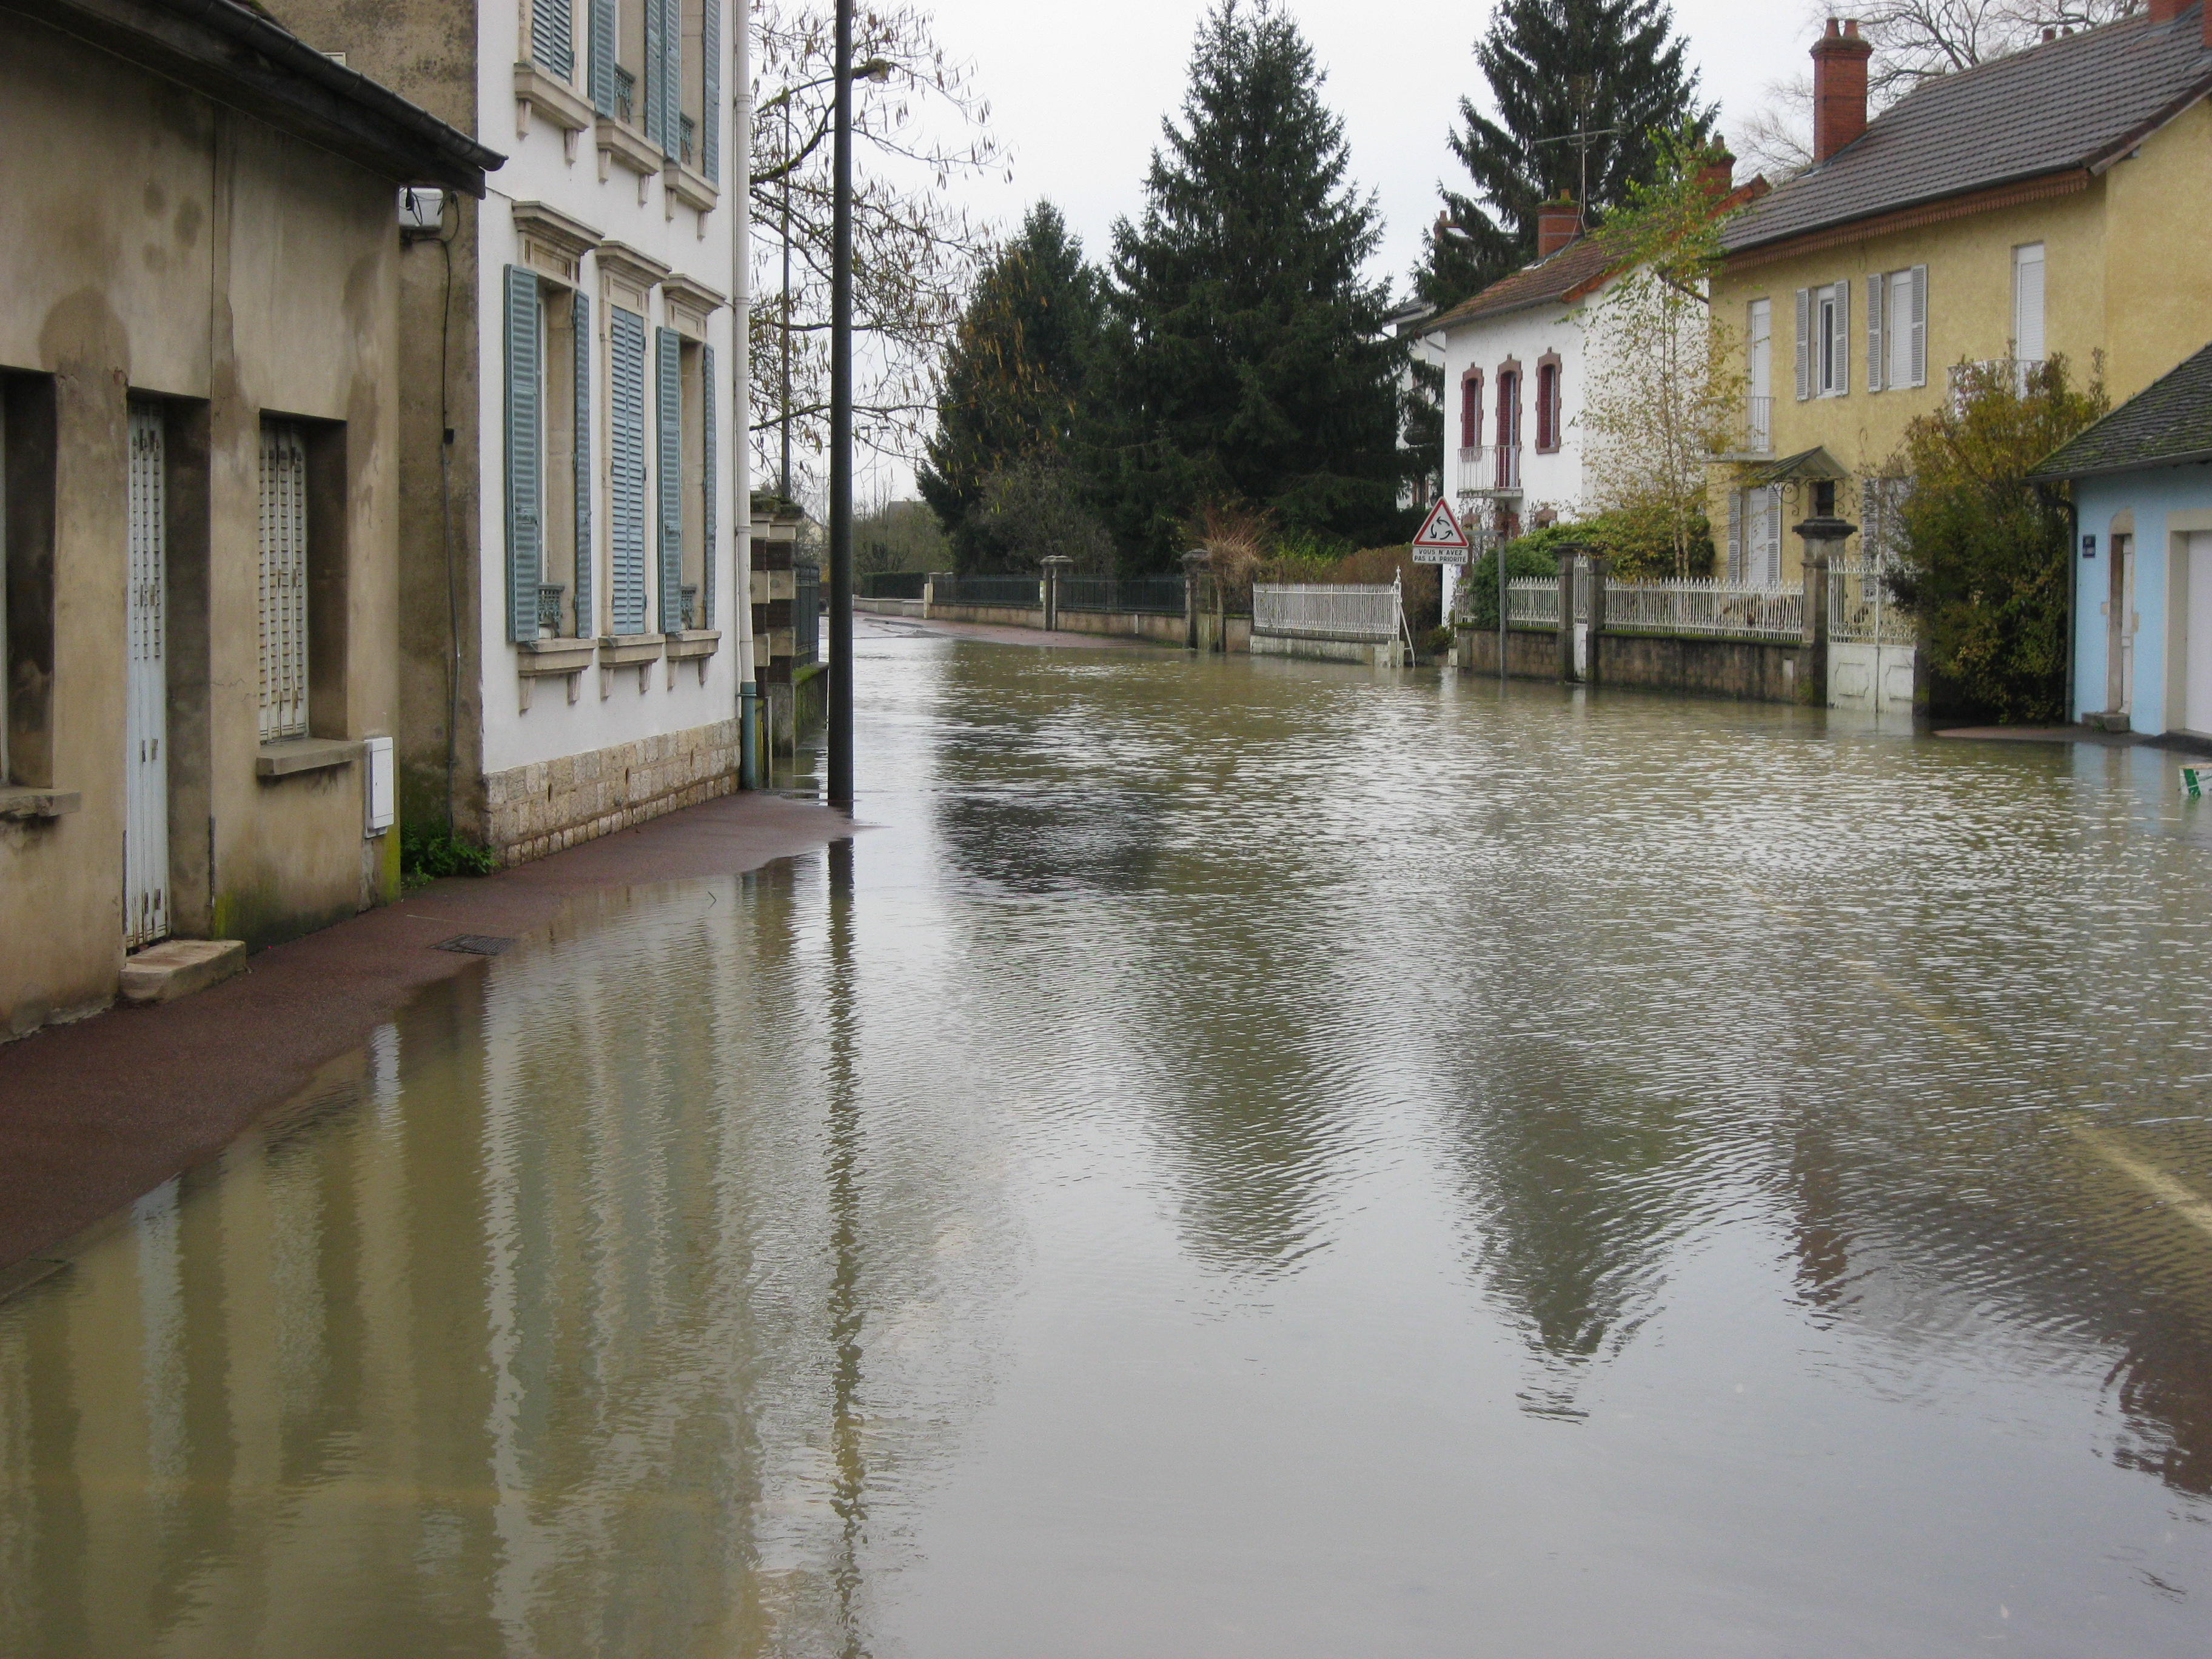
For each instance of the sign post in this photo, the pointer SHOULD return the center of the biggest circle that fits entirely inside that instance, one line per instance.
(1440, 540)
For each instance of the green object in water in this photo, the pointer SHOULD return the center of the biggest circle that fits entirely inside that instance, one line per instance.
(2192, 782)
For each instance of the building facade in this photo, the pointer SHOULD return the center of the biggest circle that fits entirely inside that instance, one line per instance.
(572, 616)
(2021, 209)
(199, 395)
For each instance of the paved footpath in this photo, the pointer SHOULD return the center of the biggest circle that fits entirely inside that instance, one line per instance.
(97, 1113)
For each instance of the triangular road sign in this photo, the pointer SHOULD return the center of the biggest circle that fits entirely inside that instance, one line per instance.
(1440, 528)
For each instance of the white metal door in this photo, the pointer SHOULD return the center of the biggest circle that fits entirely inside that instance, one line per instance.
(2196, 642)
(146, 762)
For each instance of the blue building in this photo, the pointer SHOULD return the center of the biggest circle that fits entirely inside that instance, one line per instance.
(2143, 558)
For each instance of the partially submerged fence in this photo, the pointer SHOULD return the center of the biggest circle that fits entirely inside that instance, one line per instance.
(1860, 608)
(1005, 592)
(1151, 596)
(1693, 606)
(1360, 614)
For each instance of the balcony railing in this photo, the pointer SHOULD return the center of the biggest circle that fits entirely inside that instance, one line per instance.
(1758, 426)
(1490, 470)
(687, 137)
(625, 94)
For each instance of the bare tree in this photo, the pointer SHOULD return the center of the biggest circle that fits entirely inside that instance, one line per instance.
(1913, 41)
(914, 252)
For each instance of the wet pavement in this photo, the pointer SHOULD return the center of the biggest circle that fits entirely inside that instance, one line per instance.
(1241, 1157)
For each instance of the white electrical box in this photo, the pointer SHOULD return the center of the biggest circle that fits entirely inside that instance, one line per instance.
(376, 786)
(420, 209)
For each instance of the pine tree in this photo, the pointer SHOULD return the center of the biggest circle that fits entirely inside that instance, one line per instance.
(1017, 374)
(1250, 361)
(1555, 68)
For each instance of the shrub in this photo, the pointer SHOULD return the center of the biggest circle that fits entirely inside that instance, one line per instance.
(1982, 565)
(429, 851)
(1536, 553)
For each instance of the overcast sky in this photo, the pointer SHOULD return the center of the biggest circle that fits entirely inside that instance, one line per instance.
(1077, 94)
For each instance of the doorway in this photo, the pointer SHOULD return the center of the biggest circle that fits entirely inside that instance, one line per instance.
(146, 763)
(2120, 627)
(2197, 638)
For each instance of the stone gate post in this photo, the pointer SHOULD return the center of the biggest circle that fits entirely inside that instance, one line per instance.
(1821, 536)
(1056, 567)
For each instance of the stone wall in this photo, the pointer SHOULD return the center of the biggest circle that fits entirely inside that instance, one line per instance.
(1757, 670)
(1530, 655)
(541, 808)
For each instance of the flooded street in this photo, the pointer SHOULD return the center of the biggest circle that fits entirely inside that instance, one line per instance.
(1244, 1159)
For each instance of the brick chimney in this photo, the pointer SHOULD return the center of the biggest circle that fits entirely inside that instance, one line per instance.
(1839, 87)
(1718, 175)
(2165, 11)
(1558, 223)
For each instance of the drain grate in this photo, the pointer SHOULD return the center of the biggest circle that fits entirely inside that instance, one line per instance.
(474, 945)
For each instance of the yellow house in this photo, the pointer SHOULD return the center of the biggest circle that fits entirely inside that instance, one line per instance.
(2058, 201)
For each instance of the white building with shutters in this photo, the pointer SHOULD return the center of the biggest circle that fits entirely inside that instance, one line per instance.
(199, 496)
(573, 624)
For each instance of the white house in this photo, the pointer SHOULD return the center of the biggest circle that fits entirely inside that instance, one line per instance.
(1513, 358)
(573, 606)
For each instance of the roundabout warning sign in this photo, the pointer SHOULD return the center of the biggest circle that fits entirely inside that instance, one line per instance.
(1440, 540)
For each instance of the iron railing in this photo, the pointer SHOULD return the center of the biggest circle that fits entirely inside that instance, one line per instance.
(1490, 470)
(893, 584)
(1698, 606)
(549, 608)
(805, 614)
(1364, 613)
(1532, 602)
(1155, 596)
(1758, 426)
(1005, 593)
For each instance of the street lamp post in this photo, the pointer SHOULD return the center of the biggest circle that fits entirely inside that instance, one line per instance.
(840, 430)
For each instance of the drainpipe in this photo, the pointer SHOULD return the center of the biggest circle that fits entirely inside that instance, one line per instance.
(741, 150)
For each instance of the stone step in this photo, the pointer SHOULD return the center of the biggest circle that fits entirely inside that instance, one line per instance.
(177, 967)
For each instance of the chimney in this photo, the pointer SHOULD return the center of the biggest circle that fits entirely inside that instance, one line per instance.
(1558, 223)
(2165, 11)
(1839, 87)
(1718, 175)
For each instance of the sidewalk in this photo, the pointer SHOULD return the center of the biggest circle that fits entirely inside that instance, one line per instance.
(94, 1114)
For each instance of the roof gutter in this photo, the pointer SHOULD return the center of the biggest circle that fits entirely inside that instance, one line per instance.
(1934, 209)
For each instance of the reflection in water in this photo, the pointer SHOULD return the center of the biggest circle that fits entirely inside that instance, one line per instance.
(1250, 1157)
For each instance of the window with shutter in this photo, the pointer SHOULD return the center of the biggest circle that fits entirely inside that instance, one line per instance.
(552, 37)
(1876, 287)
(283, 581)
(710, 111)
(706, 485)
(671, 74)
(525, 481)
(657, 87)
(626, 471)
(585, 610)
(606, 56)
(1804, 343)
(1918, 346)
(1470, 411)
(1735, 537)
(668, 398)
(2028, 303)
(1839, 356)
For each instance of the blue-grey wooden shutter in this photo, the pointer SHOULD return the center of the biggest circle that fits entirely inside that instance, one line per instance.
(552, 37)
(1804, 343)
(672, 76)
(586, 616)
(707, 488)
(626, 470)
(525, 470)
(656, 77)
(603, 57)
(1920, 324)
(710, 103)
(668, 458)
(1877, 291)
(1735, 559)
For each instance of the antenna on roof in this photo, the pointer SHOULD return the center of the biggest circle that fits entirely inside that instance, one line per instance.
(1582, 139)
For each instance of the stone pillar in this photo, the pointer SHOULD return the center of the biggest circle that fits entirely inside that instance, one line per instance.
(1569, 557)
(1056, 567)
(1193, 577)
(1821, 536)
(1598, 568)
(929, 590)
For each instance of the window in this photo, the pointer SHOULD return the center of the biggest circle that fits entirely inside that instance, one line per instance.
(27, 435)
(1509, 428)
(1754, 551)
(1547, 404)
(1470, 410)
(553, 36)
(2028, 303)
(1881, 502)
(1824, 327)
(283, 581)
(668, 462)
(1896, 329)
(547, 458)
(625, 473)
(700, 53)
(1759, 366)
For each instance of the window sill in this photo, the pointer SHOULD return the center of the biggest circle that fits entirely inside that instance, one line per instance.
(688, 187)
(21, 804)
(618, 145)
(629, 650)
(555, 656)
(535, 89)
(694, 642)
(288, 756)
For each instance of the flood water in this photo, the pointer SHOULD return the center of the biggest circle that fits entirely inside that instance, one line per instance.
(1245, 1158)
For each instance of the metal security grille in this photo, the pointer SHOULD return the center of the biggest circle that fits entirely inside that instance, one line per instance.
(146, 827)
(626, 470)
(283, 581)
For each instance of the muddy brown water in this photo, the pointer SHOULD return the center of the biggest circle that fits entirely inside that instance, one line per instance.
(1247, 1159)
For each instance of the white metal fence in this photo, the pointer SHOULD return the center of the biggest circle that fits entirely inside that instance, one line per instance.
(1361, 613)
(1860, 608)
(1532, 602)
(1697, 606)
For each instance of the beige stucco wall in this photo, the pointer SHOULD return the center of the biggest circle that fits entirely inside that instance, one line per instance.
(2123, 286)
(162, 244)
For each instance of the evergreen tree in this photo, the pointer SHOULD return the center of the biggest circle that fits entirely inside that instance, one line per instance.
(1018, 372)
(1250, 360)
(1558, 67)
